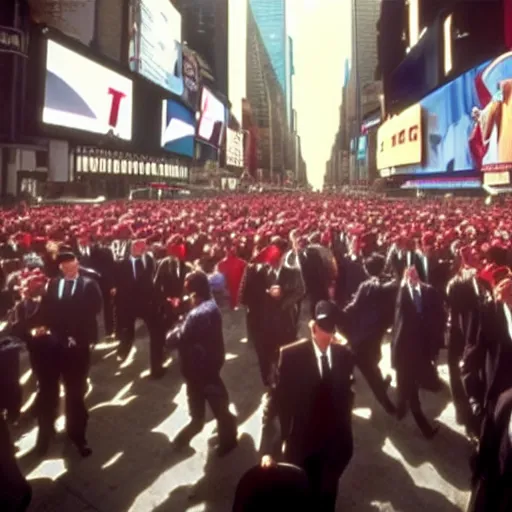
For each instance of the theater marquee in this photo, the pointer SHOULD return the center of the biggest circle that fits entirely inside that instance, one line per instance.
(90, 160)
(399, 140)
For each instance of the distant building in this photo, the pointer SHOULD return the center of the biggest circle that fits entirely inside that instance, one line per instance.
(205, 30)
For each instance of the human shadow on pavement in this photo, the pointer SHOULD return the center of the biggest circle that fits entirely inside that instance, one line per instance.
(216, 489)
(127, 455)
(448, 452)
(376, 481)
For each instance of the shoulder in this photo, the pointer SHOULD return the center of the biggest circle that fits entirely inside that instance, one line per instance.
(295, 348)
(342, 351)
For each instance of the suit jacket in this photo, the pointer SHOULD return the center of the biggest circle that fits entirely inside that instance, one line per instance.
(370, 313)
(433, 271)
(351, 275)
(319, 271)
(169, 281)
(465, 297)
(135, 292)
(397, 261)
(101, 260)
(486, 361)
(75, 316)
(417, 338)
(295, 392)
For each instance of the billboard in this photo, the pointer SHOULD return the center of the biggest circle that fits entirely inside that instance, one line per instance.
(84, 95)
(399, 139)
(191, 79)
(212, 119)
(467, 122)
(234, 148)
(178, 128)
(155, 43)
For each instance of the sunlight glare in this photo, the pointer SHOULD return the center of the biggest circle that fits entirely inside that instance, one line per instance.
(51, 469)
(112, 460)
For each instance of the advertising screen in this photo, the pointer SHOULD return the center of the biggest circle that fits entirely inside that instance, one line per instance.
(234, 148)
(212, 119)
(178, 128)
(468, 122)
(84, 95)
(155, 43)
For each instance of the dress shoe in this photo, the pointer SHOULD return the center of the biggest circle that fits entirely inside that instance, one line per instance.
(225, 448)
(429, 434)
(84, 450)
(157, 374)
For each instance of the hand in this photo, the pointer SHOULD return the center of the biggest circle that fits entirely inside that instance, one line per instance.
(275, 291)
(268, 462)
(332, 292)
(174, 301)
(113, 292)
(476, 408)
(71, 342)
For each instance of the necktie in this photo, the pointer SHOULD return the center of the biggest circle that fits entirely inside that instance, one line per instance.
(326, 370)
(139, 268)
(417, 299)
(68, 289)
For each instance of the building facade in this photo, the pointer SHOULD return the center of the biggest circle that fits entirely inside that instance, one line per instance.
(365, 15)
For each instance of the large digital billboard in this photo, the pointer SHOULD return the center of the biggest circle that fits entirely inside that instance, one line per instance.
(467, 123)
(178, 128)
(84, 95)
(155, 43)
(212, 119)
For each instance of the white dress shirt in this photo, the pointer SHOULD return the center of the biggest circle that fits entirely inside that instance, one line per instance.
(134, 263)
(319, 354)
(61, 286)
(85, 250)
(508, 318)
(412, 288)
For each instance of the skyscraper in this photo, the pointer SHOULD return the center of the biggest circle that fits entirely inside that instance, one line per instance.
(270, 17)
(205, 29)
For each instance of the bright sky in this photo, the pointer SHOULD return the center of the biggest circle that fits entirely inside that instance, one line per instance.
(321, 33)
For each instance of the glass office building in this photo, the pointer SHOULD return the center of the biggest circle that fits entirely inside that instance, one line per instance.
(270, 17)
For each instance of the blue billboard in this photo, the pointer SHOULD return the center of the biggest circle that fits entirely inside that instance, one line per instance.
(467, 123)
(178, 128)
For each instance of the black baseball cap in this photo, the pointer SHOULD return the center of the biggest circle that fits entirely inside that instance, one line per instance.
(65, 256)
(326, 314)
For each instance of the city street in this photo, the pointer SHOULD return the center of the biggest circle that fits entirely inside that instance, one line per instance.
(134, 468)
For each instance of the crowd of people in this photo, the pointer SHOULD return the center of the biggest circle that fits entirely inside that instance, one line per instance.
(434, 273)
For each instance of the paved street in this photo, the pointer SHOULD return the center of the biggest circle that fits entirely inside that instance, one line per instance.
(133, 467)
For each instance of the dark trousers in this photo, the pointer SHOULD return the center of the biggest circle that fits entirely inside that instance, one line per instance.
(463, 412)
(409, 397)
(127, 318)
(108, 312)
(270, 428)
(214, 392)
(15, 492)
(71, 364)
(368, 365)
(10, 389)
(324, 483)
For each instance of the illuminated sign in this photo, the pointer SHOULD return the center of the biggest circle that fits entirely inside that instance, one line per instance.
(496, 178)
(399, 140)
(91, 160)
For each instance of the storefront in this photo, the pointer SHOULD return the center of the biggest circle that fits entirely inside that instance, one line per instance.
(115, 173)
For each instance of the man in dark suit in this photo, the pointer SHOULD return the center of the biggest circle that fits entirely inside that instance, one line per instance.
(466, 294)
(315, 398)
(69, 310)
(417, 335)
(200, 344)
(364, 322)
(431, 268)
(100, 259)
(136, 298)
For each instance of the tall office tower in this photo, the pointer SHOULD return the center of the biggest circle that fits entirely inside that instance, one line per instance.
(365, 15)
(270, 18)
(205, 30)
(267, 99)
(290, 73)
(237, 55)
